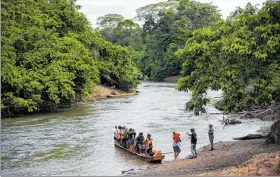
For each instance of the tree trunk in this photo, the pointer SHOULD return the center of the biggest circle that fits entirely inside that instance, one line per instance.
(250, 137)
(274, 134)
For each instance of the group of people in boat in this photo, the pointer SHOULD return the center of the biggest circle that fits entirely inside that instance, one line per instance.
(127, 138)
(139, 144)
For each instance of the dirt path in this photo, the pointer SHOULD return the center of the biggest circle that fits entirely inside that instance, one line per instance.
(226, 154)
(265, 164)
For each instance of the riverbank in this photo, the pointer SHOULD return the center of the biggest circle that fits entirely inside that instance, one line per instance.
(172, 79)
(102, 92)
(228, 158)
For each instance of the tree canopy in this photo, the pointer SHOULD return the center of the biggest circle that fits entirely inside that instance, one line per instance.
(240, 55)
(52, 57)
(166, 28)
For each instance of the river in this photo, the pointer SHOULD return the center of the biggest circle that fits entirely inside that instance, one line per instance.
(79, 140)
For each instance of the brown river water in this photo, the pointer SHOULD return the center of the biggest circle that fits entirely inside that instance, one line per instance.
(79, 140)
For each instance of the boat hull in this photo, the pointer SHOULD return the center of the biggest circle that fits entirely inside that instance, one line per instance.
(150, 159)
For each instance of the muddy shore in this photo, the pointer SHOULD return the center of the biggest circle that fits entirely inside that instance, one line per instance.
(226, 154)
(103, 92)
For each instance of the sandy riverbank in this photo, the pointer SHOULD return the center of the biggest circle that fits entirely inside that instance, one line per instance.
(227, 158)
(172, 78)
(102, 92)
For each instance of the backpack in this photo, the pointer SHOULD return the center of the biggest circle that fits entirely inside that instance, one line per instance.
(176, 137)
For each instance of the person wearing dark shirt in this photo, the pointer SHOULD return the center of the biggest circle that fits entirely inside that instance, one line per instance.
(140, 143)
(131, 137)
(193, 143)
(211, 136)
(131, 133)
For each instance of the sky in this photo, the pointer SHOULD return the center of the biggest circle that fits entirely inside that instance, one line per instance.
(96, 8)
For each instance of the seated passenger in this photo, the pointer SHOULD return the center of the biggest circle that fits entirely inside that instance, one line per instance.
(131, 133)
(149, 150)
(115, 133)
(148, 141)
(125, 137)
(119, 133)
(122, 136)
(140, 143)
(129, 142)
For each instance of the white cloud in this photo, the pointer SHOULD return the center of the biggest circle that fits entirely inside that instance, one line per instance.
(227, 6)
(96, 8)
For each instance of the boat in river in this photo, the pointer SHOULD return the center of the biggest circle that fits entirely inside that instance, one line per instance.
(150, 159)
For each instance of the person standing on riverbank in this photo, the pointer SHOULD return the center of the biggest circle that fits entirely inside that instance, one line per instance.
(176, 149)
(193, 143)
(211, 136)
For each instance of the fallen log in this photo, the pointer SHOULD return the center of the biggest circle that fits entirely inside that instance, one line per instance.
(253, 111)
(263, 112)
(250, 137)
(215, 113)
(258, 113)
(247, 115)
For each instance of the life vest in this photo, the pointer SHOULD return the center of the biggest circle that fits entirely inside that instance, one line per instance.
(131, 148)
(176, 137)
(122, 134)
(156, 152)
(118, 134)
(147, 142)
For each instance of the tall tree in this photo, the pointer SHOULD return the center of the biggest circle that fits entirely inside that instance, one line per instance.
(239, 55)
(167, 26)
(51, 56)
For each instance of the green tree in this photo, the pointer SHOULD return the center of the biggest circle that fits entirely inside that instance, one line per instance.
(166, 28)
(239, 55)
(51, 56)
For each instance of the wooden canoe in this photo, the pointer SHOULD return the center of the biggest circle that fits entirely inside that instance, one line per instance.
(150, 159)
